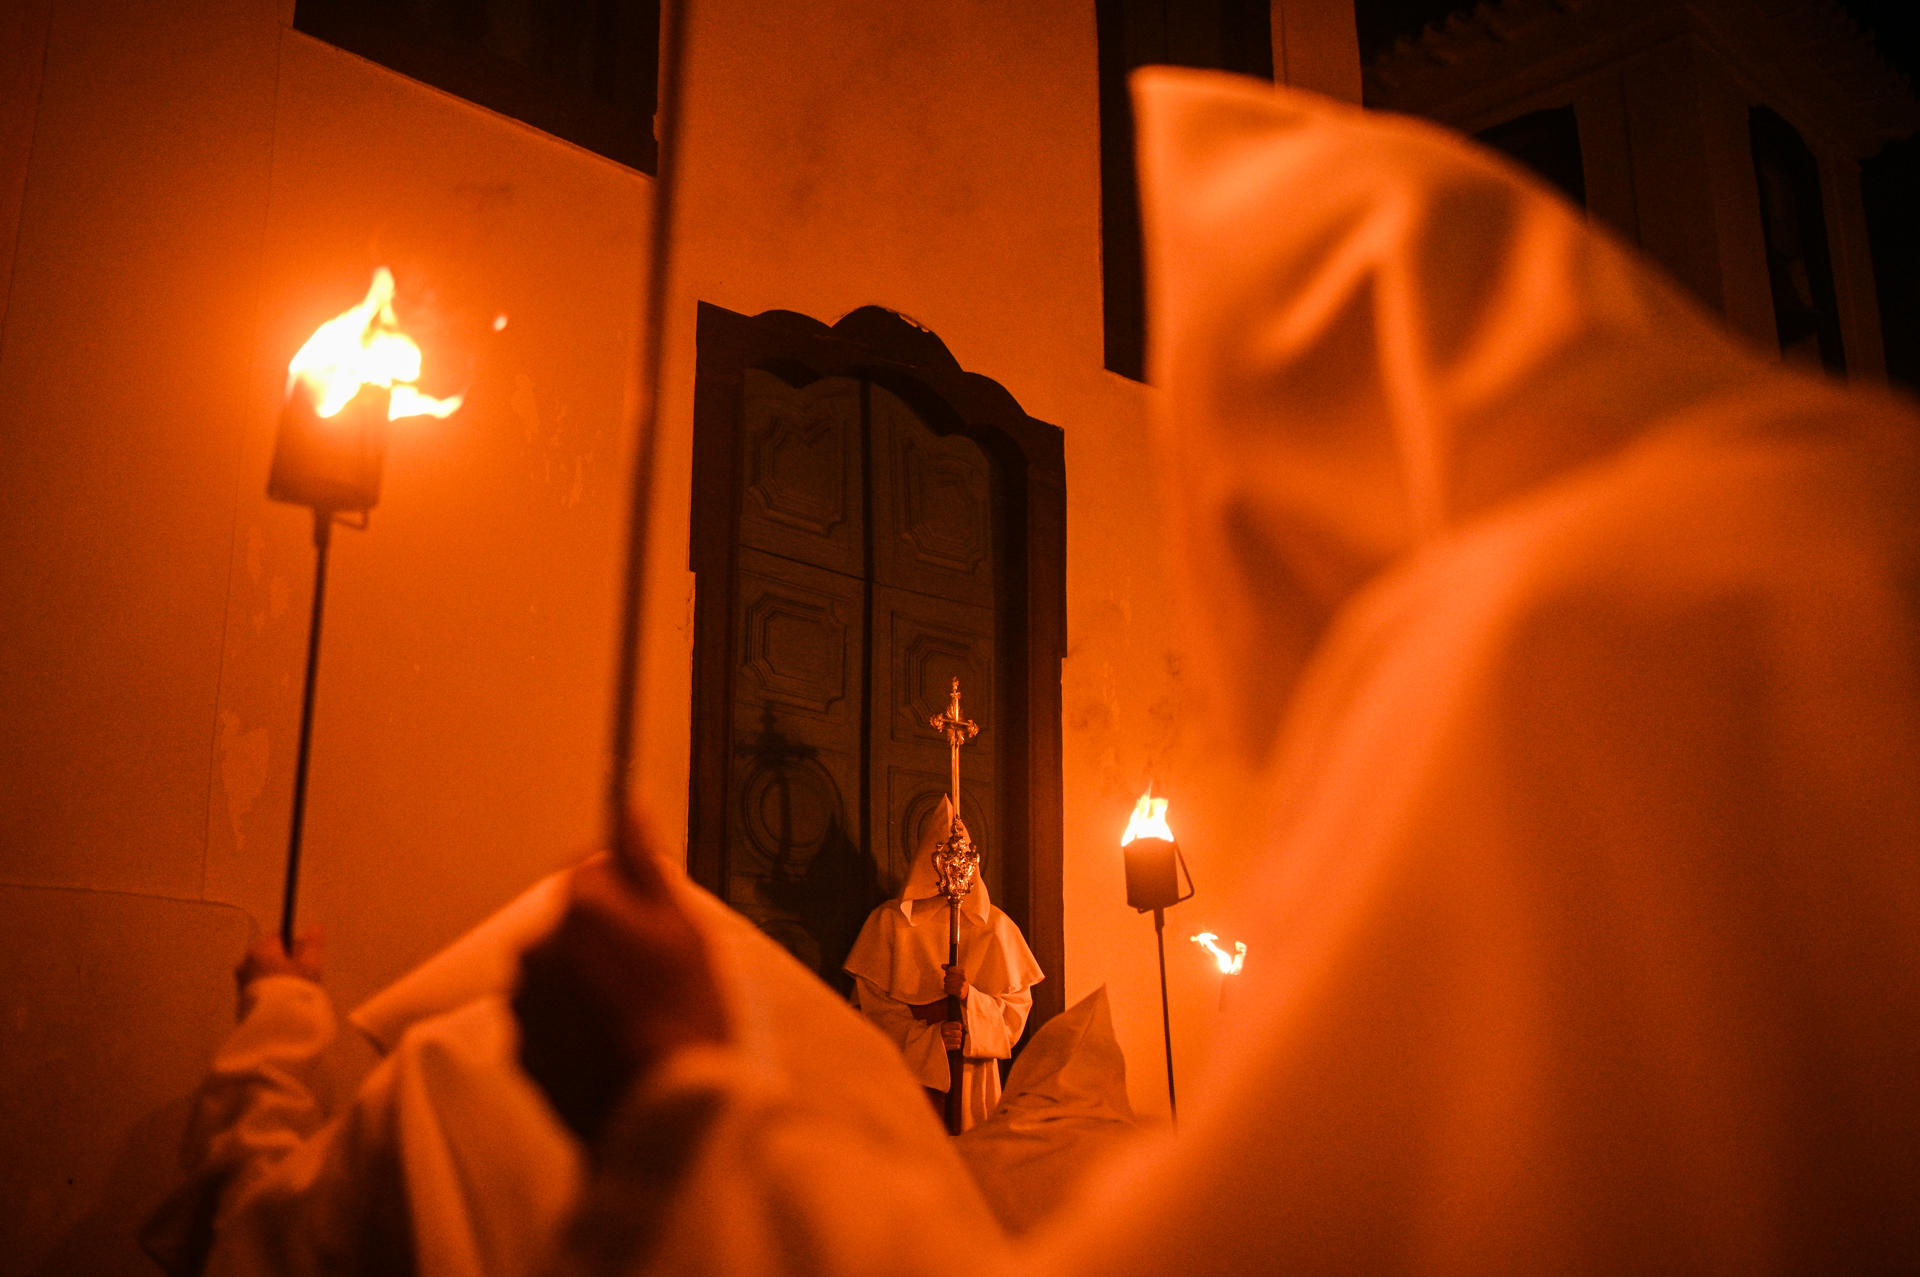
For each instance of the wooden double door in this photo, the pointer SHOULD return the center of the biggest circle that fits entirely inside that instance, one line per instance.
(860, 541)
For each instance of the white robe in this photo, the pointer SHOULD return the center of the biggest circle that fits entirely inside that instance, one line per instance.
(448, 1161)
(1589, 931)
(898, 962)
(897, 965)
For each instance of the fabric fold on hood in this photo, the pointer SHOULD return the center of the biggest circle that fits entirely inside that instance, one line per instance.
(1064, 1114)
(1368, 331)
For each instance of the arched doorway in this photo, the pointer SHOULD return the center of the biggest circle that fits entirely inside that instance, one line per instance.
(869, 521)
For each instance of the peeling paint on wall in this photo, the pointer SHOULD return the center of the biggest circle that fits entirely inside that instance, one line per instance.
(245, 756)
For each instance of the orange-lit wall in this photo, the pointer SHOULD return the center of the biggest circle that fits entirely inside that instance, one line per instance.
(185, 191)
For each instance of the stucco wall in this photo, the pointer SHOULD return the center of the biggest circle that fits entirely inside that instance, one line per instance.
(195, 187)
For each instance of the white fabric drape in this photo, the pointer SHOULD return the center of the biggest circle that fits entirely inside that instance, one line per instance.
(1589, 931)
(448, 1161)
(992, 1016)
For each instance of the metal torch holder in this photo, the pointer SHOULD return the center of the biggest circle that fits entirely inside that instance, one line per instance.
(1155, 869)
(332, 466)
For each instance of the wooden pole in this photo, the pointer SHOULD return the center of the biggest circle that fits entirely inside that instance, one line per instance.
(956, 1065)
(956, 1062)
(956, 879)
(626, 684)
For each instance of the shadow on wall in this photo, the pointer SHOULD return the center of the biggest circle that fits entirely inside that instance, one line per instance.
(818, 890)
(111, 1006)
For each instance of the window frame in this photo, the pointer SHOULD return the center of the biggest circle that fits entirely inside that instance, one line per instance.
(469, 71)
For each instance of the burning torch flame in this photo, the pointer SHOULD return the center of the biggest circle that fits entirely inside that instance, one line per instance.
(365, 347)
(1230, 963)
(1149, 820)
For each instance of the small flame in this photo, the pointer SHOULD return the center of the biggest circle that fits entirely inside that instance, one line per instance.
(365, 347)
(1149, 820)
(499, 323)
(1230, 963)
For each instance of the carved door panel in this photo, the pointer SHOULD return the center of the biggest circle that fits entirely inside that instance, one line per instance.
(932, 506)
(797, 865)
(793, 781)
(802, 471)
(933, 621)
(919, 645)
(847, 638)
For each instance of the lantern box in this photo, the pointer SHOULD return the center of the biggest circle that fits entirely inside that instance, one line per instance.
(1154, 870)
(330, 463)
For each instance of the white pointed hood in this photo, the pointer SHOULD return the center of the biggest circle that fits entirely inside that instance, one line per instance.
(923, 881)
(1367, 331)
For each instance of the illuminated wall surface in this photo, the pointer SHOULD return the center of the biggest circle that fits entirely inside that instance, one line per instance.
(186, 191)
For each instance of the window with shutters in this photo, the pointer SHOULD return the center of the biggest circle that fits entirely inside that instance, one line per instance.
(583, 70)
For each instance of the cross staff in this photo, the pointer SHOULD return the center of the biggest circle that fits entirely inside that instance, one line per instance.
(955, 861)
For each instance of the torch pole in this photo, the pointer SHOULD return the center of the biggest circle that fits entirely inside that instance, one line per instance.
(322, 541)
(627, 686)
(1166, 1019)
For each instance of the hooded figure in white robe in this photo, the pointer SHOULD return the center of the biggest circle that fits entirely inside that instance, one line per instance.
(445, 1160)
(1588, 935)
(898, 966)
(1589, 939)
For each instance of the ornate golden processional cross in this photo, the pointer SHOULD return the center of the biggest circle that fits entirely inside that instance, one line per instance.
(956, 862)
